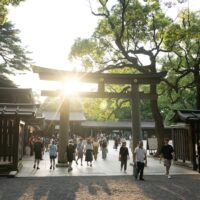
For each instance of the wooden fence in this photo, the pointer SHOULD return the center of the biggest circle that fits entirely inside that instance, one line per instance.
(11, 143)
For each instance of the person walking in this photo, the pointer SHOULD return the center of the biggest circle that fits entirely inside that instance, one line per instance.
(89, 152)
(139, 160)
(123, 155)
(38, 147)
(104, 149)
(167, 152)
(52, 154)
(95, 148)
(115, 143)
(80, 149)
(70, 154)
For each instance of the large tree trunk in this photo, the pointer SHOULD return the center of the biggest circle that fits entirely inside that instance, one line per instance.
(159, 127)
(197, 84)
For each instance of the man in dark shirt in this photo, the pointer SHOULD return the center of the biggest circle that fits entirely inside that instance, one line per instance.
(123, 155)
(70, 154)
(38, 147)
(167, 152)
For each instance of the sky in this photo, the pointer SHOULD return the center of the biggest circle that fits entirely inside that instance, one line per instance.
(48, 29)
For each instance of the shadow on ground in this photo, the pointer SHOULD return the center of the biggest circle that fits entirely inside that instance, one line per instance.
(115, 187)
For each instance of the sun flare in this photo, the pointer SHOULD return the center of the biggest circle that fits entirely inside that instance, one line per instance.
(74, 86)
(71, 86)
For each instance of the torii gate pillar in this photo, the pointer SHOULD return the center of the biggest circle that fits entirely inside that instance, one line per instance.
(64, 132)
(135, 112)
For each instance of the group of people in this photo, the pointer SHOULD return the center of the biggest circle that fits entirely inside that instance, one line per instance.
(38, 149)
(74, 151)
(90, 149)
(140, 157)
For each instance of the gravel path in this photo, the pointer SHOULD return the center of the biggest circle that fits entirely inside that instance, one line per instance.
(180, 187)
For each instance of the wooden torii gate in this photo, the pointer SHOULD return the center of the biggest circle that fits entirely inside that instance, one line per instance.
(134, 80)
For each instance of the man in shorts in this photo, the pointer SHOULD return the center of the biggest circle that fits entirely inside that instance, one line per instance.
(167, 152)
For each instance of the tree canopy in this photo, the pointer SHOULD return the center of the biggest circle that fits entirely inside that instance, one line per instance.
(4, 8)
(138, 37)
(128, 38)
(182, 63)
(133, 37)
(12, 55)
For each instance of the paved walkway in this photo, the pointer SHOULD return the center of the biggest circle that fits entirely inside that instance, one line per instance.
(108, 167)
(103, 181)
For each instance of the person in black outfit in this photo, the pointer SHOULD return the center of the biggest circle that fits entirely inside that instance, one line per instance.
(38, 147)
(167, 152)
(198, 151)
(116, 143)
(123, 155)
(70, 154)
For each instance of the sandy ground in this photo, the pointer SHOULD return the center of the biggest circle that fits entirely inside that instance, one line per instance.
(180, 187)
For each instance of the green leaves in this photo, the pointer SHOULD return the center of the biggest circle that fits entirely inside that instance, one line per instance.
(129, 38)
(12, 55)
(182, 63)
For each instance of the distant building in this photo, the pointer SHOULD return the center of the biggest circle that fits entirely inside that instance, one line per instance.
(52, 122)
(79, 125)
(120, 127)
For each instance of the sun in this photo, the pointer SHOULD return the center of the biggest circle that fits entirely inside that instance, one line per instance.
(74, 86)
(71, 86)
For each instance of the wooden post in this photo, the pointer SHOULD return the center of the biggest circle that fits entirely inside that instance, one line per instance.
(194, 162)
(16, 144)
(136, 125)
(64, 132)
